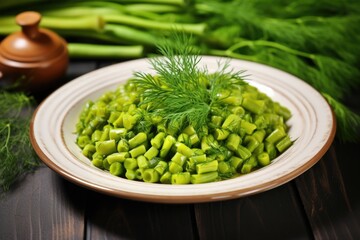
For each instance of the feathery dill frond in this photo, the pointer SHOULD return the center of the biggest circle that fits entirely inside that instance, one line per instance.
(16, 153)
(176, 92)
(316, 34)
(348, 121)
(224, 78)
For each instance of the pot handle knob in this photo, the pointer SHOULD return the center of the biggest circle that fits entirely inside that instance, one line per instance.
(29, 22)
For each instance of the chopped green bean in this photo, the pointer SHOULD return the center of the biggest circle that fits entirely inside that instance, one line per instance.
(183, 149)
(233, 141)
(123, 146)
(271, 150)
(113, 117)
(151, 153)
(105, 133)
(284, 144)
(243, 152)
(117, 133)
(139, 173)
(105, 147)
(151, 175)
(205, 146)
(204, 178)
(224, 167)
(97, 162)
(129, 121)
(259, 135)
(130, 174)
(216, 120)
(139, 150)
(194, 139)
(198, 158)
(179, 158)
(117, 157)
(174, 167)
(154, 161)
(161, 167)
(253, 105)
(232, 122)
(180, 178)
(166, 178)
(251, 143)
(221, 134)
(238, 110)
(247, 126)
(142, 161)
(96, 135)
(259, 149)
(119, 122)
(116, 169)
(275, 136)
(236, 162)
(130, 163)
(88, 150)
(168, 143)
(184, 138)
(138, 139)
(84, 140)
(158, 140)
(263, 159)
(189, 130)
(207, 167)
(249, 164)
(106, 164)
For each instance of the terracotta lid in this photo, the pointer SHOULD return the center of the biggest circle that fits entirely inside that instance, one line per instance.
(32, 44)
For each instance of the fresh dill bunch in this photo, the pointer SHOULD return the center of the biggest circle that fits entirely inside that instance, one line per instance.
(347, 120)
(328, 29)
(315, 41)
(317, 34)
(181, 92)
(16, 153)
(322, 72)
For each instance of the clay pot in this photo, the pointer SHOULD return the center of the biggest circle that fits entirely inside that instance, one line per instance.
(35, 56)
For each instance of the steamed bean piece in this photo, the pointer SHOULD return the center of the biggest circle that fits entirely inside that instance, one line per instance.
(116, 169)
(151, 175)
(204, 178)
(180, 178)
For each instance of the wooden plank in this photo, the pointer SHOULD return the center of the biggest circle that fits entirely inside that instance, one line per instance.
(333, 213)
(114, 218)
(42, 206)
(275, 214)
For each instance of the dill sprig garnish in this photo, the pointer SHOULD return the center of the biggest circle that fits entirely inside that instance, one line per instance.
(16, 153)
(180, 91)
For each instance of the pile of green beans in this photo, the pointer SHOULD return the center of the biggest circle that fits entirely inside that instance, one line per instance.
(118, 134)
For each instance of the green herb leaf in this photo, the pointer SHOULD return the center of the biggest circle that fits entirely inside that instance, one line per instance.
(16, 153)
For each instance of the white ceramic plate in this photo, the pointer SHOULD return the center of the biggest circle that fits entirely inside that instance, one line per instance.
(53, 124)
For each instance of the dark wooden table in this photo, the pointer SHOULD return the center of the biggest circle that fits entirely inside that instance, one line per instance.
(322, 203)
